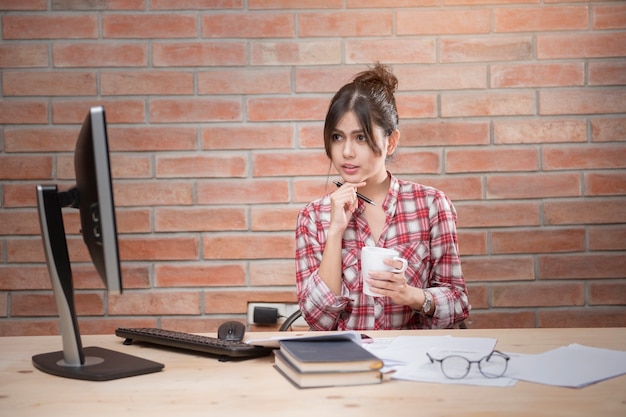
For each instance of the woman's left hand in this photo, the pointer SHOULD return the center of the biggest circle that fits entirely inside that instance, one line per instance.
(393, 285)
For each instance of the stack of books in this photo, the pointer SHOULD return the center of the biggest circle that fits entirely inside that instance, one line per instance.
(326, 362)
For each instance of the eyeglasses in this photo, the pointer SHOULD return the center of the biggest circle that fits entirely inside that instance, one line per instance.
(457, 367)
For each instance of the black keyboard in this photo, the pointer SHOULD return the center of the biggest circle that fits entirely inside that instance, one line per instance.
(212, 345)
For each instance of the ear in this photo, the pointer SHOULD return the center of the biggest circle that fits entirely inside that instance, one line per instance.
(392, 142)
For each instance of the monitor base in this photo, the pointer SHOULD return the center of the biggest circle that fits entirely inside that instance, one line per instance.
(100, 365)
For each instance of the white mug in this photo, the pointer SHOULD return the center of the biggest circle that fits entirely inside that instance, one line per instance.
(372, 260)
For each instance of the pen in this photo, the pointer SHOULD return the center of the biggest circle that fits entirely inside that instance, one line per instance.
(362, 197)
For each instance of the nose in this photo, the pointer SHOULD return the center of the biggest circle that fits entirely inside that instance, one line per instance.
(348, 150)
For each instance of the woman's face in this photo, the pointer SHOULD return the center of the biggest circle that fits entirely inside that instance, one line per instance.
(351, 155)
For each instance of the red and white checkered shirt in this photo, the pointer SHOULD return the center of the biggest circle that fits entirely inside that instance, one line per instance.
(421, 225)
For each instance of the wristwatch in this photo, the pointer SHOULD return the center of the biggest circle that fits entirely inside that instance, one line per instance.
(428, 302)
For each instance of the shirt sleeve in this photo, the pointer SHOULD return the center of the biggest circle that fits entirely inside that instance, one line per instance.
(446, 282)
(319, 306)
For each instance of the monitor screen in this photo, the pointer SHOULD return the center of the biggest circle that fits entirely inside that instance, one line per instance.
(95, 198)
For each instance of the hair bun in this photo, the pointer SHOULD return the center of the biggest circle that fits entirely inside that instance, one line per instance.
(378, 77)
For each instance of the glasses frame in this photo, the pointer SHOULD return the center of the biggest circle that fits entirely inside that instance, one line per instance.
(469, 364)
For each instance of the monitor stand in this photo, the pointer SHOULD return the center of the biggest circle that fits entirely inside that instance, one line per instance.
(91, 363)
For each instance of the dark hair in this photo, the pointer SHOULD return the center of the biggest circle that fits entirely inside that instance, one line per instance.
(371, 96)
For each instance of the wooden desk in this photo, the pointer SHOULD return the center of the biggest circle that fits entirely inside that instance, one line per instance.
(194, 385)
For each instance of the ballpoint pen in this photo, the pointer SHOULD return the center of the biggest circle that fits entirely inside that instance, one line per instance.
(362, 197)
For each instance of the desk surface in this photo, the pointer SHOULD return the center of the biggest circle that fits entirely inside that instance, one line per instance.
(192, 384)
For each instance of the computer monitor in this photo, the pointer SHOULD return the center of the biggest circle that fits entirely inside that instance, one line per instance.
(93, 196)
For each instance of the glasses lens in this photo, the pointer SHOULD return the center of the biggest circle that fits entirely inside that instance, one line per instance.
(493, 365)
(455, 367)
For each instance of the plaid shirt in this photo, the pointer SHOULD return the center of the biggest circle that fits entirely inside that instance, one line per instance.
(421, 225)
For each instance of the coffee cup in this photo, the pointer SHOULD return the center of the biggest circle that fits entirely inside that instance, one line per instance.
(372, 258)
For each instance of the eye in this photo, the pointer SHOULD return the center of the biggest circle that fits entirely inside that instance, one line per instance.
(335, 137)
(361, 138)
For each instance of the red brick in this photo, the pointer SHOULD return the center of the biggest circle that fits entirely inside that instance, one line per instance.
(155, 303)
(609, 16)
(99, 55)
(582, 317)
(30, 139)
(19, 222)
(121, 83)
(36, 327)
(507, 48)
(478, 295)
(492, 160)
(152, 138)
(582, 266)
(612, 183)
(390, 51)
(131, 220)
(512, 103)
(161, 248)
(273, 218)
(607, 73)
(456, 187)
(500, 319)
(322, 52)
(24, 277)
(25, 167)
(536, 185)
(538, 241)
(52, 26)
(541, 19)
(287, 108)
(24, 5)
(49, 83)
(406, 161)
(197, 54)
(538, 295)
(458, 77)
(245, 81)
(248, 25)
(199, 275)
(289, 163)
(323, 79)
(199, 219)
(24, 56)
(117, 110)
(584, 157)
(191, 110)
(149, 26)
(218, 166)
(243, 192)
(250, 246)
(40, 305)
(497, 214)
(584, 45)
(329, 24)
(472, 243)
(195, 4)
(608, 129)
(537, 75)
(596, 211)
(110, 5)
(443, 22)
(607, 237)
(131, 166)
(161, 193)
(607, 293)
(498, 268)
(18, 112)
(272, 272)
(248, 136)
(413, 106)
(539, 131)
(583, 101)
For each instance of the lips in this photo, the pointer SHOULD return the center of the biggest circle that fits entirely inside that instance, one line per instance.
(349, 168)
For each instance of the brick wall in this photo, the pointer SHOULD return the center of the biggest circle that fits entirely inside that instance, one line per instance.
(516, 109)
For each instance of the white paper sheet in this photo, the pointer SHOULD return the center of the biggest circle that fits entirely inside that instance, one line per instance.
(574, 366)
(406, 355)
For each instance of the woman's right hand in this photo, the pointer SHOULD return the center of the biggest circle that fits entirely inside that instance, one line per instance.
(343, 203)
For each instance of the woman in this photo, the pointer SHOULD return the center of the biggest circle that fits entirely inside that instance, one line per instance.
(360, 134)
